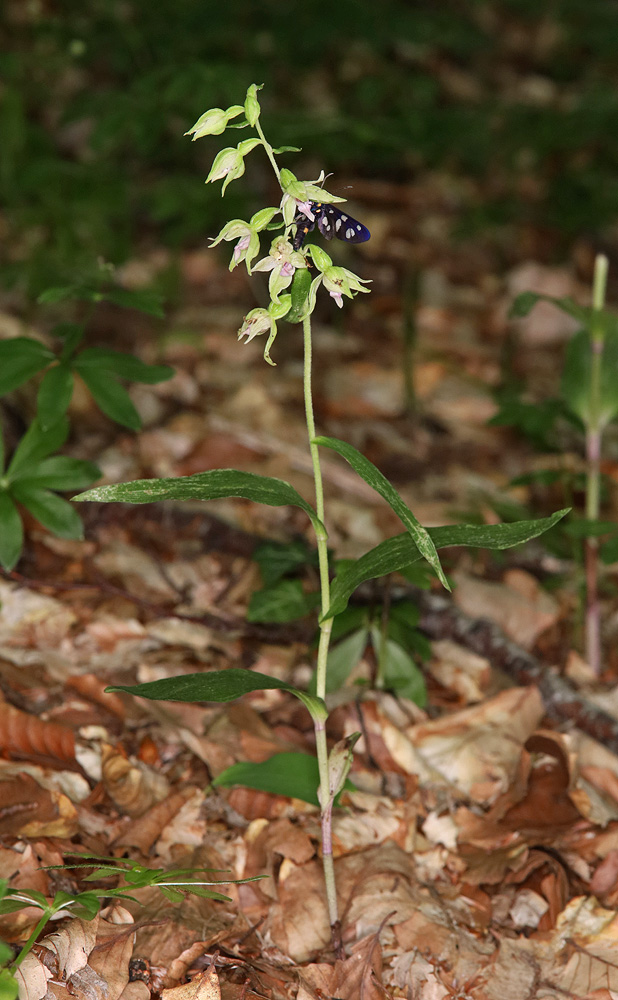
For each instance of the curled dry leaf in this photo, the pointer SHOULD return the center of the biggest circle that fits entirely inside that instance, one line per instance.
(24, 736)
(92, 687)
(147, 828)
(519, 606)
(28, 810)
(205, 986)
(133, 786)
(477, 750)
(66, 953)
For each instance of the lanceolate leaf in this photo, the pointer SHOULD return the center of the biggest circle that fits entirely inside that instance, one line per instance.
(381, 485)
(54, 395)
(111, 397)
(212, 485)
(36, 445)
(59, 472)
(20, 359)
(54, 513)
(293, 774)
(398, 552)
(11, 533)
(123, 365)
(218, 685)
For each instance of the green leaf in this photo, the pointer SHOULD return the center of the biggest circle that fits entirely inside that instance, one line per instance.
(283, 601)
(343, 657)
(293, 774)
(111, 397)
(71, 334)
(276, 559)
(9, 987)
(212, 485)
(60, 293)
(145, 301)
(218, 685)
(576, 377)
(123, 365)
(396, 553)
(54, 513)
(399, 671)
(36, 445)
(20, 359)
(61, 473)
(287, 149)
(588, 528)
(54, 395)
(367, 471)
(11, 533)
(525, 302)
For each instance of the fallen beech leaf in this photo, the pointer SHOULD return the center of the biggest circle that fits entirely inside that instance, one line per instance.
(523, 613)
(133, 786)
(205, 986)
(28, 810)
(581, 955)
(92, 687)
(23, 735)
(147, 828)
(478, 749)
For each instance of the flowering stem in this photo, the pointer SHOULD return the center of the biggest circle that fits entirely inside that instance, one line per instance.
(325, 634)
(593, 464)
(268, 148)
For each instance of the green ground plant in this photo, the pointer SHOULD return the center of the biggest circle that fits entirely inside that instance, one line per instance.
(297, 274)
(35, 474)
(174, 884)
(589, 401)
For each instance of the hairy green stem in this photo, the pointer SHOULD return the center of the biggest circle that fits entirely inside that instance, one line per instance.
(325, 634)
(593, 464)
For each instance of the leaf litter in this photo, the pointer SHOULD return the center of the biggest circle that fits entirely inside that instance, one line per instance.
(476, 856)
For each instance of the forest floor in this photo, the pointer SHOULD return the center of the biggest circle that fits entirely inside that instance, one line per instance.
(477, 855)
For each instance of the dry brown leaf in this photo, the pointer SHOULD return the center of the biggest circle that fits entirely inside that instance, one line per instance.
(460, 670)
(204, 986)
(92, 687)
(297, 922)
(147, 828)
(32, 620)
(581, 954)
(110, 958)
(522, 611)
(477, 750)
(133, 786)
(61, 954)
(514, 973)
(31, 811)
(25, 736)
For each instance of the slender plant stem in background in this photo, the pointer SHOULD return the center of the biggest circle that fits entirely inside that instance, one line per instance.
(323, 644)
(593, 465)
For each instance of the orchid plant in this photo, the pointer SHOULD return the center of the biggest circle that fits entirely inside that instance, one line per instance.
(296, 273)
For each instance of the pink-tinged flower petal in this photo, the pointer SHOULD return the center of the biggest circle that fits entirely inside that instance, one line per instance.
(304, 207)
(241, 246)
(337, 296)
(287, 269)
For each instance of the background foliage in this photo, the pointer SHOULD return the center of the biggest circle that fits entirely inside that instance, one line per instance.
(519, 99)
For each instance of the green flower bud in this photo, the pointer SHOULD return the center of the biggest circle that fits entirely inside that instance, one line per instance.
(214, 122)
(252, 105)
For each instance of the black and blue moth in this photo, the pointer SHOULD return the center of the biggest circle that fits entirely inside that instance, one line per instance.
(331, 221)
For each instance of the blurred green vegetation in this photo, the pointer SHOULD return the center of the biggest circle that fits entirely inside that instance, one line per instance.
(95, 98)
